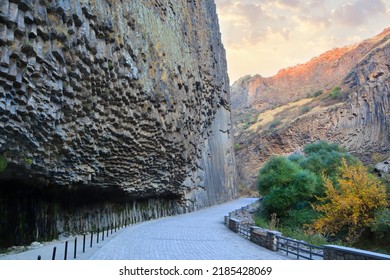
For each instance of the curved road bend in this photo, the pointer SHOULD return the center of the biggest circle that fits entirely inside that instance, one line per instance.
(200, 235)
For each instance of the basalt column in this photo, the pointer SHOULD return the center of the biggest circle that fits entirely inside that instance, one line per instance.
(110, 110)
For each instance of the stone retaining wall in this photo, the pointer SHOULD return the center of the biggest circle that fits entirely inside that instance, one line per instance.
(268, 239)
(333, 252)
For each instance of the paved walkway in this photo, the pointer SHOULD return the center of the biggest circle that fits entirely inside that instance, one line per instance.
(199, 235)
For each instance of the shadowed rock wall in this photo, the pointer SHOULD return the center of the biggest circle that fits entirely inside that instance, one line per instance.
(131, 96)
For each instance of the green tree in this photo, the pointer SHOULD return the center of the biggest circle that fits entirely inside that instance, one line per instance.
(285, 185)
(277, 172)
(324, 158)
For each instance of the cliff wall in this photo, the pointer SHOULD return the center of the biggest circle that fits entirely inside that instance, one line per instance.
(129, 97)
(358, 119)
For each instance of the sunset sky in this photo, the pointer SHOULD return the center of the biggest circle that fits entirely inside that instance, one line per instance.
(264, 36)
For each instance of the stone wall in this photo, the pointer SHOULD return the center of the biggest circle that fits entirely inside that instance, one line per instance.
(129, 96)
(333, 252)
(269, 239)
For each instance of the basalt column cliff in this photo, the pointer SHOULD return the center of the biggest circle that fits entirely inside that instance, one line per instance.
(110, 111)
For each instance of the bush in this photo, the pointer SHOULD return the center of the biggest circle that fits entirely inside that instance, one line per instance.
(277, 172)
(319, 146)
(324, 158)
(275, 123)
(305, 109)
(349, 209)
(284, 185)
(237, 146)
(381, 225)
(297, 158)
(300, 217)
(317, 93)
(314, 94)
(335, 93)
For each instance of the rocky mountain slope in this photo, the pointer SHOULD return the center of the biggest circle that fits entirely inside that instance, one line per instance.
(291, 84)
(116, 101)
(270, 119)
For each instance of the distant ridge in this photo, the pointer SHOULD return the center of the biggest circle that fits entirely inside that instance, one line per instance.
(320, 73)
(342, 96)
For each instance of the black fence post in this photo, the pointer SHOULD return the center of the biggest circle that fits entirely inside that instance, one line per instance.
(66, 250)
(108, 227)
(53, 257)
(111, 227)
(84, 243)
(91, 239)
(39, 257)
(75, 247)
(103, 234)
(97, 236)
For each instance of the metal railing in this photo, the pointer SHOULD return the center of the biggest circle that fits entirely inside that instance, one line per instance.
(95, 236)
(299, 249)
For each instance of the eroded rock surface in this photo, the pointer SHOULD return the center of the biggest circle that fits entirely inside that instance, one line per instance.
(125, 95)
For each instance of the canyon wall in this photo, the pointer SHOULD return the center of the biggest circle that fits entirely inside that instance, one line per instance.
(122, 99)
(358, 119)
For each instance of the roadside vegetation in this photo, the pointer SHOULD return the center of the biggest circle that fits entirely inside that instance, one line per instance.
(325, 195)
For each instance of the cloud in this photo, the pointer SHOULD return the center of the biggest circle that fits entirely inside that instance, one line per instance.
(290, 3)
(357, 13)
(317, 22)
(249, 22)
(264, 36)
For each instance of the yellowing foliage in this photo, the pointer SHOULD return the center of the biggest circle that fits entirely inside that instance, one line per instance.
(350, 207)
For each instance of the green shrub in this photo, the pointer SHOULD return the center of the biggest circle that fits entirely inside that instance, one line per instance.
(305, 109)
(314, 94)
(284, 185)
(300, 217)
(296, 157)
(324, 158)
(322, 145)
(261, 221)
(275, 123)
(382, 223)
(237, 147)
(335, 93)
(277, 172)
(317, 93)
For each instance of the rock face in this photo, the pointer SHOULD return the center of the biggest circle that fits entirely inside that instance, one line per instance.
(291, 84)
(124, 96)
(360, 120)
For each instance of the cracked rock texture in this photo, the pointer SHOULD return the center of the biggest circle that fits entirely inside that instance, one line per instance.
(124, 95)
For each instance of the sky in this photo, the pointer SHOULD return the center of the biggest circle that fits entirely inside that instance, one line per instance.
(264, 36)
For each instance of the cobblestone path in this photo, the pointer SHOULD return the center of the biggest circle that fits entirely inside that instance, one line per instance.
(199, 235)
